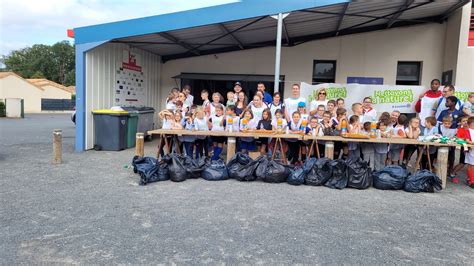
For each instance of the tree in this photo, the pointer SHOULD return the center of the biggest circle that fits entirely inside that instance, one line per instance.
(37, 75)
(53, 62)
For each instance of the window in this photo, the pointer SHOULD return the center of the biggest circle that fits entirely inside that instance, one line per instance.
(324, 71)
(408, 73)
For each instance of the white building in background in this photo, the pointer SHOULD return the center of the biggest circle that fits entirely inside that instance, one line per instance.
(137, 62)
(14, 86)
(51, 89)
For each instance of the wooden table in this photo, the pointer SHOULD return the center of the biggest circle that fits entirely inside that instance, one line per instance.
(231, 138)
(442, 158)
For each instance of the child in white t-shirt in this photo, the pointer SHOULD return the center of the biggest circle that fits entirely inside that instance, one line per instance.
(368, 149)
(468, 106)
(216, 123)
(200, 124)
(381, 149)
(397, 132)
(354, 128)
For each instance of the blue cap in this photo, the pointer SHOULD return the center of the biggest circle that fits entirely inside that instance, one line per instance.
(301, 104)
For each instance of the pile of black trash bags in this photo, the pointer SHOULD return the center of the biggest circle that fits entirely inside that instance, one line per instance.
(337, 174)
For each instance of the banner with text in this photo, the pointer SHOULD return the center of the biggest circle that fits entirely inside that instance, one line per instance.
(385, 98)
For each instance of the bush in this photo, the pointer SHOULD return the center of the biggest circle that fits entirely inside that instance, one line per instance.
(3, 112)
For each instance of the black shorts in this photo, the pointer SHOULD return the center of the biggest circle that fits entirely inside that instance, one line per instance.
(260, 141)
(219, 139)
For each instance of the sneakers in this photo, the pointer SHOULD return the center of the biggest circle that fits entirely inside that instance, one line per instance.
(454, 179)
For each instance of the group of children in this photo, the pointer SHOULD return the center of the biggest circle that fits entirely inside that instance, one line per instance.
(239, 116)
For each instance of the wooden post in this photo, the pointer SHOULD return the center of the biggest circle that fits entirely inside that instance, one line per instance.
(442, 169)
(139, 145)
(57, 146)
(230, 148)
(329, 150)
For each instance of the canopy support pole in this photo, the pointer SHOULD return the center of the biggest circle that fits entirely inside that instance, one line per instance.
(280, 17)
(278, 52)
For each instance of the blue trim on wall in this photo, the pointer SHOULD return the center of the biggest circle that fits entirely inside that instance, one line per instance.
(192, 18)
(81, 50)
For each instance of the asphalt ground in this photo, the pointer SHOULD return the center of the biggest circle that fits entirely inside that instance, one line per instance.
(90, 210)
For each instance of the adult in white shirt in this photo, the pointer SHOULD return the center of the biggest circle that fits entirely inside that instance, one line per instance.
(369, 113)
(321, 100)
(189, 98)
(440, 105)
(257, 106)
(291, 104)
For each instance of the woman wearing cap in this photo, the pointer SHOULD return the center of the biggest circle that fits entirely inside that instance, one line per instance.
(320, 100)
(291, 104)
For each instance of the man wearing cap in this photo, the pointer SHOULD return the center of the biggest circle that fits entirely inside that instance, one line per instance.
(291, 104)
(267, 98)
(237, 89)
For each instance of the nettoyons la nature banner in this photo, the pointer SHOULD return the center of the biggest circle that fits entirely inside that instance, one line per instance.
(385, 98)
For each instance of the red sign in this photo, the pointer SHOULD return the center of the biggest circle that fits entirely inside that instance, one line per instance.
(471, 38)
(132, 63)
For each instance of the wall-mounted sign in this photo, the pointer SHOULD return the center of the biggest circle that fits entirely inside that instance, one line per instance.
(130, 89)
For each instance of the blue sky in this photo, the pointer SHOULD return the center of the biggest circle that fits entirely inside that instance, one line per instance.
(24, 23)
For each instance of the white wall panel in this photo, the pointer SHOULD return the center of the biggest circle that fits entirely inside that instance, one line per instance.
(371, 54)
(100, 72)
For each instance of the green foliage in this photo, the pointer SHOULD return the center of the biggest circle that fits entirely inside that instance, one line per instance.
(37, 75)
(54, 62)
(2, 109)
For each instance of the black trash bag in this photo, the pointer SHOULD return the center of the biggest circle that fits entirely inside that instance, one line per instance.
(215, 170)
(391, 177)
(150, 170)
(317, 171)
(195, 167)
(422, 181)
(297, 177)
(359, 173)
(177, 167)
(271, 171)
(261, 167)
(339, 179)
(242, 167)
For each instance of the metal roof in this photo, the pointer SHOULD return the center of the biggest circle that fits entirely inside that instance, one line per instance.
(248, 24)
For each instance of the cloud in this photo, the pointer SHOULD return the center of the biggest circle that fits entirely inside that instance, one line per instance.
(24, 23)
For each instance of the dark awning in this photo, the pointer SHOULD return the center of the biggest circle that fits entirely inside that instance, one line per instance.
(299, 26)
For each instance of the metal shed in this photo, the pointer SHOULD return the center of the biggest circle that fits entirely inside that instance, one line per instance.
(244, 25)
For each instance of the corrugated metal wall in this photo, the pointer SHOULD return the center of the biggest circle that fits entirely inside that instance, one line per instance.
(101, 64)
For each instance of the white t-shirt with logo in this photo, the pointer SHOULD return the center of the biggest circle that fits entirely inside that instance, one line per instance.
(291, 105)
(469, 107)
(257, 111)
(273, 108)
(213, 109)
(216, 123)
